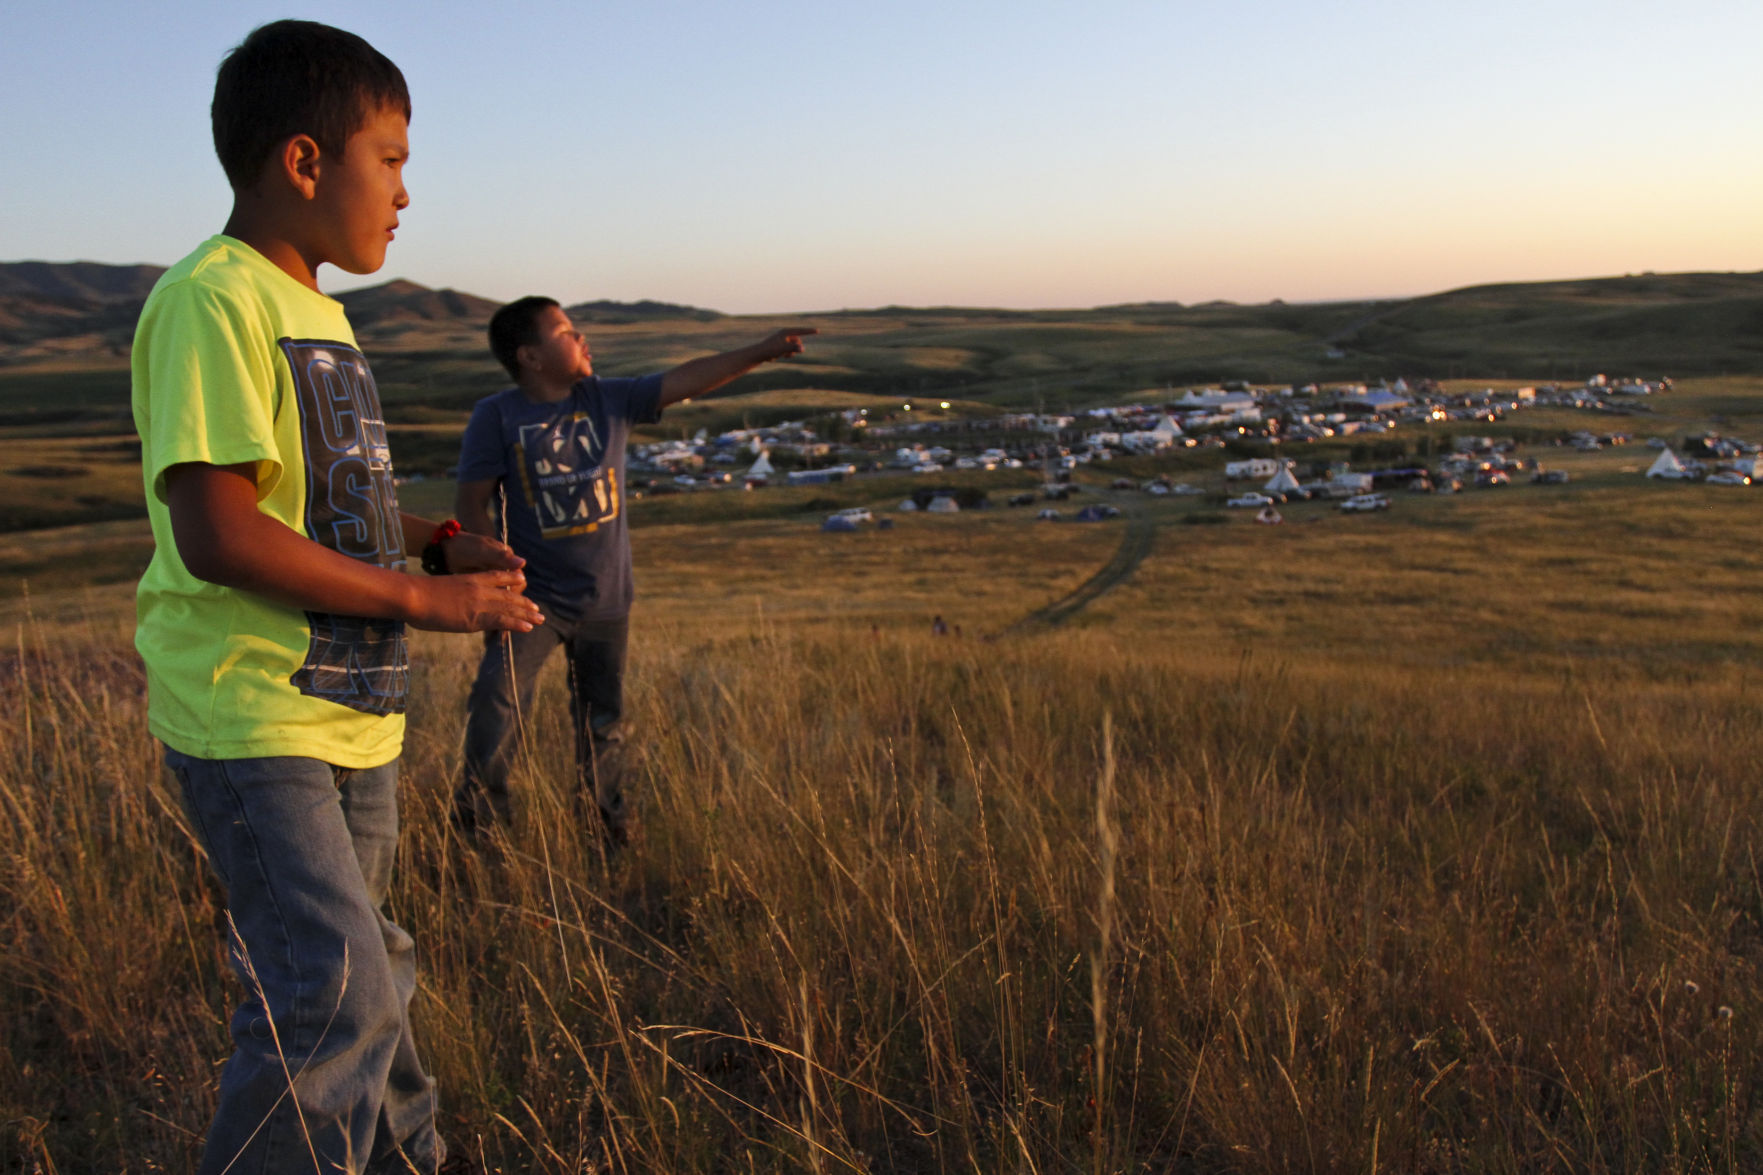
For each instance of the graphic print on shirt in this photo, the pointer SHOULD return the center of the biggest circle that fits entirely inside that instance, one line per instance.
(561, 469)
(352, 508)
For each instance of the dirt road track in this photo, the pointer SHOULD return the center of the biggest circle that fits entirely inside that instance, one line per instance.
(1135, 544)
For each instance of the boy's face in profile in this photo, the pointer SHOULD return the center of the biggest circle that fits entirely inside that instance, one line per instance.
(359, 195)
(559, 348)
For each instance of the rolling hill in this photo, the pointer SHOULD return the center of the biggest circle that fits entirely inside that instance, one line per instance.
(1688, 322)
(428, 351)
(43, 302)
(405, 301)
(53, 307)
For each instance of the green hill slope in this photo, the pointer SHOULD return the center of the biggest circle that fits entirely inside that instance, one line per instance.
(1702, 323)
(64, 333)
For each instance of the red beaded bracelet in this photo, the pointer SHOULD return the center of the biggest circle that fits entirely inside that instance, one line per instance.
(433, 561)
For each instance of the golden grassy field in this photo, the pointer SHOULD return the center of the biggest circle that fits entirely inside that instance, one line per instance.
(1425, 841)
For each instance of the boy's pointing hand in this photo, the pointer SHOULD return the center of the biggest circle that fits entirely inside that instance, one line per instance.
(784, 343)
(695, 377)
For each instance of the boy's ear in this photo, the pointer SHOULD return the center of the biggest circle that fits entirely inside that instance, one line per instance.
(297, 163)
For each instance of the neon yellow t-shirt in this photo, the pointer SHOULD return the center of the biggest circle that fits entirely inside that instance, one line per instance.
(234, 362)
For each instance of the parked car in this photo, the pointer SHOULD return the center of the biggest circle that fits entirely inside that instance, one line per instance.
(1250, 500)
(854, 514)
(1491, 479)
(1727, 477)
(1365, 503)
(1550, 477)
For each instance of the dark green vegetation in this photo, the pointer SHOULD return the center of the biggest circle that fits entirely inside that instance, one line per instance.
(64, 396)
(1691, 323)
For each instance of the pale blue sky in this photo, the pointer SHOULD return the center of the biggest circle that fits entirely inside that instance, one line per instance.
(778, 155)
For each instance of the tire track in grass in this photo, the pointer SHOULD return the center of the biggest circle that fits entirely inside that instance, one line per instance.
(1135, 544)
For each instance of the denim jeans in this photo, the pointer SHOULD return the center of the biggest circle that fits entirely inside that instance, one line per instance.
(324, 1074)
(499, 716)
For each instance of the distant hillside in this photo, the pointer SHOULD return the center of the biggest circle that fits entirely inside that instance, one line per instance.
(623, 313)
(1651, 324)
(82, 304)
(77, 280)
(50, 308)
(405, 301)
(1657, 323)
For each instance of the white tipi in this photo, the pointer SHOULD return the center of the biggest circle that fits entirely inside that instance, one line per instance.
(1283, 482)
(1167, 431)
(1668, 466)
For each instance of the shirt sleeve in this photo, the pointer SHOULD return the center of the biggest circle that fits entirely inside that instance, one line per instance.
(637, 400)
(210, 387)
(481, 455)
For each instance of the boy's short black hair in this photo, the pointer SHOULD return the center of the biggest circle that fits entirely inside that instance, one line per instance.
(514, 326)
(297, 77)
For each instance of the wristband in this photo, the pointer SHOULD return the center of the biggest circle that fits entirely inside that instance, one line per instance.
(433, 561)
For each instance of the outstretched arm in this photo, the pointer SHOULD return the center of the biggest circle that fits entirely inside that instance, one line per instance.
(695, 377)
(222, 537)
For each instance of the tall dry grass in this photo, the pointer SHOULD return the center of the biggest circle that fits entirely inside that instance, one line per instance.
(900, 904)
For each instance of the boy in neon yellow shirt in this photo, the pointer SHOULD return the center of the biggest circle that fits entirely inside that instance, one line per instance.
(272, 616)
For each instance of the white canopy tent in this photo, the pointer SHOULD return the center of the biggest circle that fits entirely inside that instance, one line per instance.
(1750, 465)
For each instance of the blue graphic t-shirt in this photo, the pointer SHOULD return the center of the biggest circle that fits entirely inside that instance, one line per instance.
(561, 466)
(352, 508)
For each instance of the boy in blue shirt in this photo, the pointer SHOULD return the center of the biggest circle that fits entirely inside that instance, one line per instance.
(272, 616)
(554, 444)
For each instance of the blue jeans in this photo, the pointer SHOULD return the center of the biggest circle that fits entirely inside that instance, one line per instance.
(324, 1074)
(499, 712)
